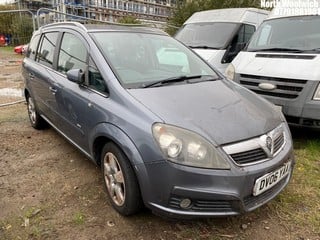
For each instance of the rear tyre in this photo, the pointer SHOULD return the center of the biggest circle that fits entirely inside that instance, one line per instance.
(120, 180)
(36, 120)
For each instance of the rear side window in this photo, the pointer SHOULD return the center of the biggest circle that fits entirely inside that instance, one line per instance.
(72, 54)
(32, 49)
(46, 49)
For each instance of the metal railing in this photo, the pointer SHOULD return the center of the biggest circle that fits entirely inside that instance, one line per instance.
(63, 17)
(16, 26)
(20, 11)
(44, 16)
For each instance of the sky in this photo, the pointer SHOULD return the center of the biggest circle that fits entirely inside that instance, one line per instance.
(5, 1)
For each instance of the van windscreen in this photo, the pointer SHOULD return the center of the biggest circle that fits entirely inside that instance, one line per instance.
(214, 35)
(291, 34)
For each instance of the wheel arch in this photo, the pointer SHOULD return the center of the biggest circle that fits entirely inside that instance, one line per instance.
(26, 93)
(107, 132)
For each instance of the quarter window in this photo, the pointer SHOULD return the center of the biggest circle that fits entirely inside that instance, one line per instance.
(96, 81)
(72, 54)
(32, 49)
(46, 50)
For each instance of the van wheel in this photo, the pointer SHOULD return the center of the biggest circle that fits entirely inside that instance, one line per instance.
(120, 181)
(36, 120)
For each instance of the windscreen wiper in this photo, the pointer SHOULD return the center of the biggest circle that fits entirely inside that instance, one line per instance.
(176, 79)
(203, 47)
(291, 50)
(317, 50)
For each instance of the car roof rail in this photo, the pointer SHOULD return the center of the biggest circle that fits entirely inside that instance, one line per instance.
(77, 24)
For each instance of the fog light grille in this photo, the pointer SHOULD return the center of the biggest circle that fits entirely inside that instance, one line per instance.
(204, 205)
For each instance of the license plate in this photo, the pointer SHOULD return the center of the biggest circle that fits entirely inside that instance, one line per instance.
(267, 181)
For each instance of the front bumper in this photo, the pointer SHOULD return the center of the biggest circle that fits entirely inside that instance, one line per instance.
(212, 192)
(297, 104)
(309, 116)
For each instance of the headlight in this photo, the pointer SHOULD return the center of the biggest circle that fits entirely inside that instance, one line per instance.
(230, 72)
(317, 93)
(187, 148)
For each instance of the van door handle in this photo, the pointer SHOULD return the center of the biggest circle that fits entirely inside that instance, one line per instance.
(53, 90)
(31, 75)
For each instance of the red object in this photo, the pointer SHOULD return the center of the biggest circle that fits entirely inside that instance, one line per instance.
(20, 49)
(2, 40)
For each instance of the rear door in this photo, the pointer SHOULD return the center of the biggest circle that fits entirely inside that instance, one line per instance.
(41, 73)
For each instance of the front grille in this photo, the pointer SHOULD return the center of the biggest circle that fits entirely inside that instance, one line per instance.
(303, 121)
(285, 87)
(278, 143)
(257, 149)
(249, 156)
(204, 205)
(305, 57)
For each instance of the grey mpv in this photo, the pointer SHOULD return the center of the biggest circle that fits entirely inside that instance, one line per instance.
(167, 129)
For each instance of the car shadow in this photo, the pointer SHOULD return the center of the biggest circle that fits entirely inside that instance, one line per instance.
(302, 136)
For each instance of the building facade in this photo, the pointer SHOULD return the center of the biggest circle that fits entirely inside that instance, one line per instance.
(112, 10)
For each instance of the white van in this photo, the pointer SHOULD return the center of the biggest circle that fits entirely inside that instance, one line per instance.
(282, 63)
(219, 35)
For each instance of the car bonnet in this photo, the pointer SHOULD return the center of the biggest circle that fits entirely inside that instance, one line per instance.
(219, 111)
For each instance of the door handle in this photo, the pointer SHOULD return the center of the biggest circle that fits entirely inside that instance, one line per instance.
(53, 90)
(31, 75)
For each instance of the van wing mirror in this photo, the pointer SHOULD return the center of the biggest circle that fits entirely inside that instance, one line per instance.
(76, 76)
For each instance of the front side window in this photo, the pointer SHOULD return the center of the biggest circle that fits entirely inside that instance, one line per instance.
(72, 54)
(46, 49)
(238, 42)
(300, 33)
(207, 35)
(148, 58)
(245, 33)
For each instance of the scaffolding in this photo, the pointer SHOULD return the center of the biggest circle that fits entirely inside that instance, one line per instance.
(113, 10)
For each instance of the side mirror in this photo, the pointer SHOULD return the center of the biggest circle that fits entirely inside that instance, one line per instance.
(76, 76)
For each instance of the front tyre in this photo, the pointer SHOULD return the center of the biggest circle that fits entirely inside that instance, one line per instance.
(36, 120)
(120, 181)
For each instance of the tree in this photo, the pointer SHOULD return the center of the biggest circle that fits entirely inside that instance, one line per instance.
(129, 20)
(6, 19)
(185, 9)
(16, 25)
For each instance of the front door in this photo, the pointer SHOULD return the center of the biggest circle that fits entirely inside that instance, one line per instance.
(72, 98)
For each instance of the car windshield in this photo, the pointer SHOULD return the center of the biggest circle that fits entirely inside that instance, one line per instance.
(287, 35)
(141, 59)
(206, 35)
